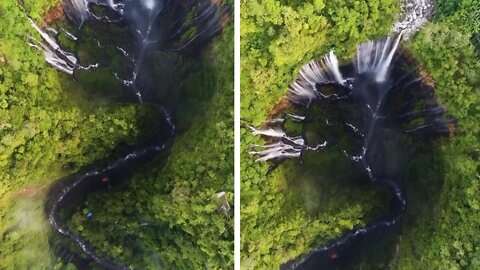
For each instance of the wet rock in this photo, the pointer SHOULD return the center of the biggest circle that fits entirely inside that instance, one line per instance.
(414, 15)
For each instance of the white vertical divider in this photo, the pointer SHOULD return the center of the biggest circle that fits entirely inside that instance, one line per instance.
(237, 134)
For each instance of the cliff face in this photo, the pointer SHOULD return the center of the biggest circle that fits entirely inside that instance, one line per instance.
(54, 14)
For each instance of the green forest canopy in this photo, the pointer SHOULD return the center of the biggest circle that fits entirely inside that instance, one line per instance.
(287, 213)
(51, 127)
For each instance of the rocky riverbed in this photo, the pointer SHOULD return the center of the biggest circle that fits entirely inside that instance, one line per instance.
(414, 14)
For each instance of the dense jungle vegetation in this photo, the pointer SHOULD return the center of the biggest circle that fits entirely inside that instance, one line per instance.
(289, 211)
(168, 216)
(51, 127)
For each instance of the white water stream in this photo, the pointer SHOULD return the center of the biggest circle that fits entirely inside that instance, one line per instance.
(414, 15)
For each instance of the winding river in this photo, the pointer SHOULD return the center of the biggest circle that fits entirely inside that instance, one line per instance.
(154, 25)
(382, 101)
(379, 95)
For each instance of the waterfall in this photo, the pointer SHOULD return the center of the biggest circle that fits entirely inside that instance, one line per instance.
(143, 19)
(54, 55)
(331, 64)
(152, 30)
(149, 4)
(77, 11)
(374, 96)
(375, 57)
